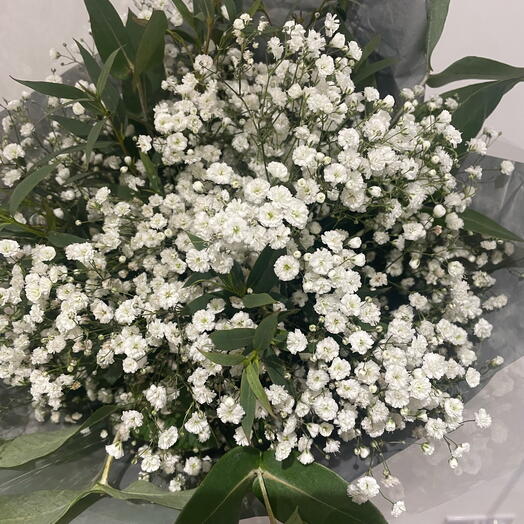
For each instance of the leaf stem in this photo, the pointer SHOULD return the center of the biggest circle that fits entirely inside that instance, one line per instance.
(104, 476)
(265, 496)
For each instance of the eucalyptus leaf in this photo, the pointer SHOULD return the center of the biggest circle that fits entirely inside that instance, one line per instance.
(143, 490)
(25, 187)
(224, 359)
(437, 14)
(295, 518)
(105, 71)
(58, 239)
(229, 339)
(92, 137)
(198, 243)
(73, 125)
(265, 332)
(476, 103)
(257, 300)
(198, 303)
(371, 68)
(218, 498)
(152, 173)
(253, 380)
(248, 402)
(262, 277)
(26, 448)
(479, 223)
(109, 35)
(318, 492)
(38, 507)
(478, 68)
(150, 52)
(195, 278)
(54, 89)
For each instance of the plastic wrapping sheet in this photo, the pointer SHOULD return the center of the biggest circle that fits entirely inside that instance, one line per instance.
(401, 24)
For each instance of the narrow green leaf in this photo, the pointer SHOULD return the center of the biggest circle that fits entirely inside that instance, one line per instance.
(199, 303)
(262, 277)
(93, 69)
(198, 243)
(105, 71)
(265, 332)
(224, 359)
(371, 46)
(27, 185)
(152, 173)
(91, 140)
(58, 239)
(320, 493)
(231, 9)
(276, 371)
(110, 34)
(143, 490)
(195, 278)
(253, 380)
(478, 68)
(38, 507)
(218, 498)
(437, 14)
(229, 339)
(26, 448)
(54, 89)
(476, 103)
(248, 402)
(257, 300)
(73, 125)
(479, 223)
(150, 52)
(373, 67)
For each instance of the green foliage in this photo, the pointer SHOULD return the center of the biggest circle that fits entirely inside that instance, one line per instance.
(248, 402)
(92, 137)
(198, 243)
(152, 174)
(26, 448)
(257, 300)
(150, 52)
(479, 223)
(313, 490)
(229, 339)
(437, 14)
(224, 359)
(109, 35)
(55, 89)
(262, 277)
(58, 239)
(265, 332)
(251, 371)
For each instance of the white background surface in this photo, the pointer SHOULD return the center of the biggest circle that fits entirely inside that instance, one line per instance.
(492, 480)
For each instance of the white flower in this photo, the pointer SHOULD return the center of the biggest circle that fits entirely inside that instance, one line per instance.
(363, 489)
(507, 167)
(398, 508)
(360, 342)
(296, 341)
(13, 151)
(482, 419)
(132, 419)
(230, 410)
(9, 248)
(286, 268)
(168, 437)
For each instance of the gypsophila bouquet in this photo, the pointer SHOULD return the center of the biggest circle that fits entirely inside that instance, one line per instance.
(229, 256)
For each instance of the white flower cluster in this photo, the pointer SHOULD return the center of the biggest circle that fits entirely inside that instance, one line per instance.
(379, 292)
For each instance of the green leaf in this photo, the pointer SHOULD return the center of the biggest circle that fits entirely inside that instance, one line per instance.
(229, 339)
(195, 278)
(38, 507)
(276, 371)
(320, 493)
(27, 185)
(199, 303)
(295, 518)
(198, 243)
(437, 14)
(109, 35)
(371, 46)
(26, 448)
(475, 67)
(262, 277)
(93, 69)
(257, 300)
(152, 173)
(253, 380)
(224, 359)
(105, 71)
(479, 223)
(91, 140)
(143, 490)
(265, 332)
(54, 89)
(150, 52)
(373, 67)
(217, 499)
(73, 125)
(248, 401)
(58, 239)
(476, 103)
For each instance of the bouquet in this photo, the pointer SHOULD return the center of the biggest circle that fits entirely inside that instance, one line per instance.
(227, 256)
